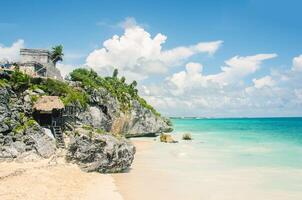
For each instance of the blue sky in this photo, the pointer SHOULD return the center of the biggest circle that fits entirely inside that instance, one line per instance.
(246, 28)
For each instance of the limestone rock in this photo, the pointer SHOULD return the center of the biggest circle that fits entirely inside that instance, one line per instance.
(167, 138)
(105, 113)
(101, 153)
(31, 140)
(17, 138)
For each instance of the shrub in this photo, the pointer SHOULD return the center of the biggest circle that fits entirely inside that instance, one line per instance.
(68, 94)
(116, 86)
(34, 98)
(20, 81)
(87, 127)
(3, 82)
(100, 131)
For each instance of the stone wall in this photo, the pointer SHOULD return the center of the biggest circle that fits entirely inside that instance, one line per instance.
(53, 72)
(35, 55)
(29, 58)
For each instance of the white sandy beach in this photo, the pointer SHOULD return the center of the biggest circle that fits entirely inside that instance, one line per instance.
(53, 181)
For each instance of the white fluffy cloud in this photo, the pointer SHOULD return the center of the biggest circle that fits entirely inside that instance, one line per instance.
(265, 81)
(297, 63)
(65, 69)
(11, 53)
(239, 67)
(229, 92)
(138, 55)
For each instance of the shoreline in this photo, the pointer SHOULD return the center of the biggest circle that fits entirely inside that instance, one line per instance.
(185, 170)
(198, 170)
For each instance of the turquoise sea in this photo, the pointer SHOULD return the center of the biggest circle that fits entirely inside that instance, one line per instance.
(232, 159)
(274, 142)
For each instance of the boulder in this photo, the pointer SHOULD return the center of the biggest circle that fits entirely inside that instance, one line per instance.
(39, 91)
(167, 138)
(31, 139)
(187, 136)
(101, 153)
(37, 140)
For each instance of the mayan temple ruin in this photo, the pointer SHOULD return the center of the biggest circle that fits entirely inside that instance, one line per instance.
(37, 62)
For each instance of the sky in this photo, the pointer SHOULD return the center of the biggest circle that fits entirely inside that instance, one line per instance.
(191, 58)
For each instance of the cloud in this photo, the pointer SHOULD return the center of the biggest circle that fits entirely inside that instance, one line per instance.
(298, 93)
(138, 54)
(239, 67)
(187, 80)
(265, 81)
(190, 92)
(65, 69)
(129, 22)
(297, 63)
(11, 53)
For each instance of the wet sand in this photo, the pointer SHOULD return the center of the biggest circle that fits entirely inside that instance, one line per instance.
(147, 181)
(174, 171)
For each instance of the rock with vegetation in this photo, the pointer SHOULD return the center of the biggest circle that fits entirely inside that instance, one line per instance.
(115, 106)
(24, 140)
(108, 109)
(102, 153)
(167, 138)
(20, 136)
(187, 136)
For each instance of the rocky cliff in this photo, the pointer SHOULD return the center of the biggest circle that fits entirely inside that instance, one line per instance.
(108, 110)
(20, 136)
(105, 112)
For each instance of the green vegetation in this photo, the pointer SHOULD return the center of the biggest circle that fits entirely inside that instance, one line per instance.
(3, 82)
(19, 80)
(90, 80)
(34, 98)
(92, 129)
(100, 131)
(69, 95)
(87, 127)
(57, 54)
(116, 86)
(20, 128)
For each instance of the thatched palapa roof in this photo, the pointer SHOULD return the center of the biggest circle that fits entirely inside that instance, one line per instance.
(48, 103)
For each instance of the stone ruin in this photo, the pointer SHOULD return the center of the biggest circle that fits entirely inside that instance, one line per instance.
(37, 62)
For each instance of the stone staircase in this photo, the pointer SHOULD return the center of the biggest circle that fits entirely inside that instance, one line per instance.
(58, 133)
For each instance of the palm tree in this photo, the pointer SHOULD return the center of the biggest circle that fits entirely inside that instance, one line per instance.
(57, 54)
(115, 73)
(123, 79)
(133, 84)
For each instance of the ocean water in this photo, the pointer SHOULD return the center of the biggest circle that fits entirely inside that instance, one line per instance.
(233, 159)
(269, 142)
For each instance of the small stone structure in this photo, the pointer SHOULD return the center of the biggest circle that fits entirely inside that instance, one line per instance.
(37, 62)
